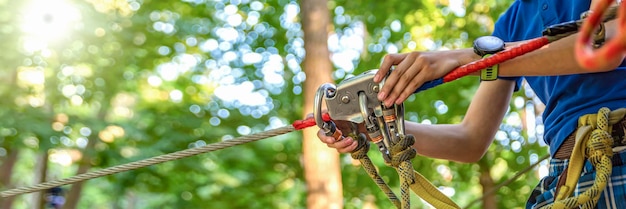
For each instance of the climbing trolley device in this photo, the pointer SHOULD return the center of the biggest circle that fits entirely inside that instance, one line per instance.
(354, 101)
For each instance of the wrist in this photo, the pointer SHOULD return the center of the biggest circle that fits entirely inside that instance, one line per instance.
(468, 56)
(486, 46)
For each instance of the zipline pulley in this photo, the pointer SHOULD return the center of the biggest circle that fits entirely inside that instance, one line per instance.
(354, 101)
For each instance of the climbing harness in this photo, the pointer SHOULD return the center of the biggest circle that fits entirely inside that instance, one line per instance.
(354, 101)
(613, 51)
(593, 142)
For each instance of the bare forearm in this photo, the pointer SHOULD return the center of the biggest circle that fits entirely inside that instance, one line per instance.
(557, 58)
(467, 141)
(445, 141)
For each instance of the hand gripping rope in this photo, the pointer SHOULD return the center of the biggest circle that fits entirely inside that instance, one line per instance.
(613, 51)
(354, 101)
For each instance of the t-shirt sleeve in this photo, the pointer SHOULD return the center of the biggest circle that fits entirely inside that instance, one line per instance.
(501, 31)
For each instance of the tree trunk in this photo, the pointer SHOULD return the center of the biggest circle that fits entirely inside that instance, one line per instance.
(41, 169)
(486, 181)
(73, 196)
(5, 177)
(321, 164)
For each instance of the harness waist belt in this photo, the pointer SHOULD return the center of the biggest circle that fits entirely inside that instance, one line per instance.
(618, 133)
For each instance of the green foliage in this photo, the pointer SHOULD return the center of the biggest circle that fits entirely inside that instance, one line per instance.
(137, 79)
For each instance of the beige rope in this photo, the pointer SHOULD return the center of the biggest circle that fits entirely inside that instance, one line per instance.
(360, 153)
(148, 162)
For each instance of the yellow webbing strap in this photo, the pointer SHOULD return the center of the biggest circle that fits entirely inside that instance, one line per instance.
(427, 191)
(401, 155)
(594, 142)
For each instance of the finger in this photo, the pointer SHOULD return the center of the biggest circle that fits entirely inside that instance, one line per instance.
(349, 148)
(413, 84)
(389, 61)
(341, 144)
(408, 91)
(325, 139)
(392, 96)
(392, 79)
(405, 94)
(403, 85)
(389, 85)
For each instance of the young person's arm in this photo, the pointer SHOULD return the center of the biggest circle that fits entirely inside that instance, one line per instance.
(415, 68)
(463, 142)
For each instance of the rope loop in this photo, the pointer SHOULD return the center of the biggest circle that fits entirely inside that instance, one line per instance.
(403, 150)
(593, 142)
(360, 152)
(600, 142)
(602, 122)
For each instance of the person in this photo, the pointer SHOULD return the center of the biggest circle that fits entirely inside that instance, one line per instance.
(567, 90)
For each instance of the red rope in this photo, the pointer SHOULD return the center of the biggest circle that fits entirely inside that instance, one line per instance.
(302, 124)
(612, 51)
(497, 58)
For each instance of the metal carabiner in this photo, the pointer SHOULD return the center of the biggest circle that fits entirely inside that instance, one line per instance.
(392, 118)
(326, 90)
(373, 128)
(355, 100)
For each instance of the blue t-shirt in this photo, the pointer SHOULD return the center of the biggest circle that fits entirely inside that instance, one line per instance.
(570, 96)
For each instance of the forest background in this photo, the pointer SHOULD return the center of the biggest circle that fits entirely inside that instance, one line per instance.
(88, 84)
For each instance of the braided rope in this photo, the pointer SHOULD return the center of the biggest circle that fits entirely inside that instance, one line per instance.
(402, 152)
(149, 161)
(401, 155)
(596, 147)
(360, 153)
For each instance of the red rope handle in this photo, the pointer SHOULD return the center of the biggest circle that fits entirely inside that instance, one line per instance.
(497, 58)
(302, 124)
(613, 51)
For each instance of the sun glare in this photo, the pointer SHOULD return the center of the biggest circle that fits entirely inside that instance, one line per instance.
(44, 21)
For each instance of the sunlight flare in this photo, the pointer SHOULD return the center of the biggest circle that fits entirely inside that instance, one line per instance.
(45, 21)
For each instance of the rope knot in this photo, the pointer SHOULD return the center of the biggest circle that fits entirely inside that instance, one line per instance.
(600, 142)
(402, 150)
